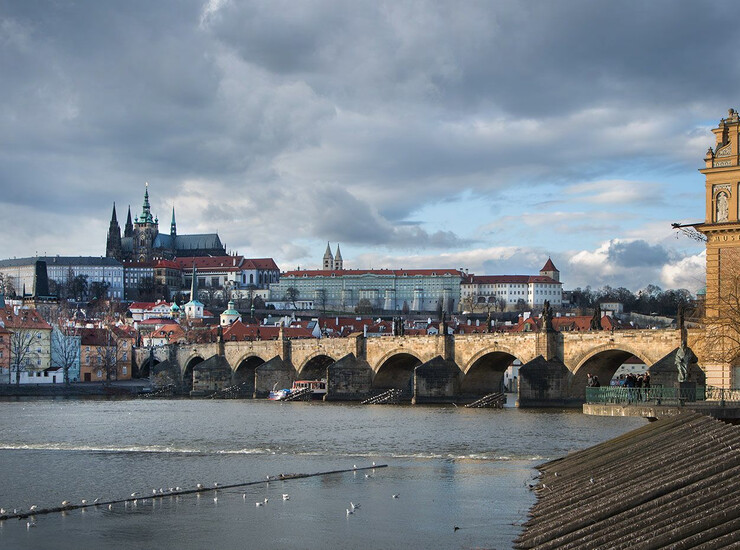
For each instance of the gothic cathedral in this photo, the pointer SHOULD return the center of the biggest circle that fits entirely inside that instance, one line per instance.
(142, 241)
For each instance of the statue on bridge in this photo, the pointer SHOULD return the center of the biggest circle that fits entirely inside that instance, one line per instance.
(547, 316)
(596, 319)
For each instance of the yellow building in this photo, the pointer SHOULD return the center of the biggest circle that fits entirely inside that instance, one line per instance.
(718, 346)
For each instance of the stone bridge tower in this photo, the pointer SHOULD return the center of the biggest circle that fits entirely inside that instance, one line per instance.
(722, 230)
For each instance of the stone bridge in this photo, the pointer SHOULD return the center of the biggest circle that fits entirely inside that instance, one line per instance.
(432, 368)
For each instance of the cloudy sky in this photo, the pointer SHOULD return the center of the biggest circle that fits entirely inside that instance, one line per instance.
(485, 135)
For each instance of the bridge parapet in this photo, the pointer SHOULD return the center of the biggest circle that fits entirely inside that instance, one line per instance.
(471, 347)
(424, 348)
(647, 345)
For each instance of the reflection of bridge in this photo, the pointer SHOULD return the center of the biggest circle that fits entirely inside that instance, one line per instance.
(433, 367)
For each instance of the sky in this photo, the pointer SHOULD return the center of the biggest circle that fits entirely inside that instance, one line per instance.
(478, 135)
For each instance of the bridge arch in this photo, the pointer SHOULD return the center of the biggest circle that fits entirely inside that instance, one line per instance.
(187, 375)
(244, 373)
(314, 366)
(603, 361)
(484, 372)
(396, 370)
(147, 365)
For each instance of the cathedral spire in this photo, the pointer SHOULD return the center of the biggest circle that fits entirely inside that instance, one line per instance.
(338, 262)
(113, 242)
(328, 262)
(173, 225)
(146, 211)
(129, 229)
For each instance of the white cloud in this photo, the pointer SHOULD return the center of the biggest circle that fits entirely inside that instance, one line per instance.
(688, 273)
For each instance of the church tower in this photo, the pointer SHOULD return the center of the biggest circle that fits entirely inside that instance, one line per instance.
(338, 262)
(722, 224)
(549, 270)
(722, 230)
(113, 243)
(146, 228)
(328, 263)
(173, 225)
(128, 231)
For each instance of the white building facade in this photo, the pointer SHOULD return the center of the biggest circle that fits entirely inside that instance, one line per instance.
(384, 289)
(510, 291)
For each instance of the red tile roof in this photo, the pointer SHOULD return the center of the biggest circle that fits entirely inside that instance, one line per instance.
(549, 266)
(510, 279)
(25, 319)
(238, 331)
(170, 264)
(260, 263)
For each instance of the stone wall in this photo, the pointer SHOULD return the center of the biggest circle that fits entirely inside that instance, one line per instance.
(275, 373)
(436, 381)
(349, 379)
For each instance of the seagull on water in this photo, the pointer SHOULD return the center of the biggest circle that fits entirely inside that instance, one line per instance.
(217, 484)
(65, 503)
(368, 476)
(349, 512)
(33, 508)
(395, 496)
(84, 501)
(96, 501)
(354, 506)
(286, 496)
(244, 496)
(135, 494)
(259, 503)
(265, 500)
(215, 499)
(110, 507)
(2, 511)
(30, 524)
(199, 486)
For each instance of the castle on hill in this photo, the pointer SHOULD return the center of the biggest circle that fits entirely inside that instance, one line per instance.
(142, 241)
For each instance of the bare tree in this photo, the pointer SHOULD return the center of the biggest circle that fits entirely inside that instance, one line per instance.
(65, 350)
(6, 285)
(720, 312)
(23, 355)
(291, 295)
(108, 355)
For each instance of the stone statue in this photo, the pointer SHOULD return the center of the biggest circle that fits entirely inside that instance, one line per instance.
(723, 211)
(488, 322)
(682, 324)
(596, 319)
(547, 316)
(683, 359)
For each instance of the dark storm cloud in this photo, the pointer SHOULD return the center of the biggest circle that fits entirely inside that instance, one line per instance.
(637, 254)
(401, 104)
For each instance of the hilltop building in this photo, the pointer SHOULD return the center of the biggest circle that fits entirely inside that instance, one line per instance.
(381, 289)
(30, 274)
(142, 241)
(510, 292)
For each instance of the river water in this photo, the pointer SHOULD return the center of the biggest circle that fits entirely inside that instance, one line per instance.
(450, 467)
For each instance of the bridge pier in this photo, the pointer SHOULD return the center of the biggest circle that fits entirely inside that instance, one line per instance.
(349, 379)
(436, 381)
(274, 373)
(545, 383)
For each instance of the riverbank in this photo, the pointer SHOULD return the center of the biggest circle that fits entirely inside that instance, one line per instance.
(75, 389)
